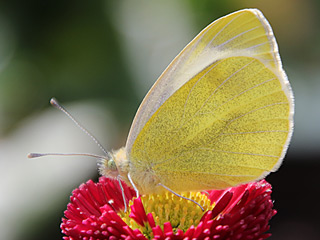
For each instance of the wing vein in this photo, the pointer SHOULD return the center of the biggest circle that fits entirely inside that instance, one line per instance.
(218, 33)
(240, 34)
(241, 153)
(271, 131)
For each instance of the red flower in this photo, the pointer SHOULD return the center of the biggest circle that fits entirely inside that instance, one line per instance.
(96, 212)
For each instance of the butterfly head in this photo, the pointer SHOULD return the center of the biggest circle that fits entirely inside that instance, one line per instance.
(114, 164)
(108, 167)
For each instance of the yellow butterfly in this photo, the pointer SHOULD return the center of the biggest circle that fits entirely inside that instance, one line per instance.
(221, 114)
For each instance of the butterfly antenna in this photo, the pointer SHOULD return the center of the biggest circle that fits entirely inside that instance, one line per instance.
(56, 104)
(36, 155)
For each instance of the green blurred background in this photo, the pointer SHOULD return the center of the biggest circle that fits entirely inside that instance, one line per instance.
(99, 58)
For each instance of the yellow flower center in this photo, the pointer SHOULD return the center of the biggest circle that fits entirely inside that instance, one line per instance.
(167, 207)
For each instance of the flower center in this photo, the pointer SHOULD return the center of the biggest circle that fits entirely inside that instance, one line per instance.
(168, 207)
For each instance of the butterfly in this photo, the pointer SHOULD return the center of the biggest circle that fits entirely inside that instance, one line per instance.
(221, 114)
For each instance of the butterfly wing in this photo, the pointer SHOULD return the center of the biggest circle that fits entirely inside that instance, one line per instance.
(220, 114)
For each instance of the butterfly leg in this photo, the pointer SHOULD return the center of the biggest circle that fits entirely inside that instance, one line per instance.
(123, 196)
(134, 186)
(178, 195)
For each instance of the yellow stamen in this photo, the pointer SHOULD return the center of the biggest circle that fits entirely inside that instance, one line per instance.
(167, 207)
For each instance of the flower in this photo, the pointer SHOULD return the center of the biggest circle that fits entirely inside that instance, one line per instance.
(96, 212)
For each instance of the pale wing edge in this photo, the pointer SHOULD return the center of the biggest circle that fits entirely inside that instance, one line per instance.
(285, 86)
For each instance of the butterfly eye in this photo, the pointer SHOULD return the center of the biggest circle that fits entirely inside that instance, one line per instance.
(111, 165)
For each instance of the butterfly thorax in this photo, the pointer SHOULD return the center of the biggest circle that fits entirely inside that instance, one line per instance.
(122, 163)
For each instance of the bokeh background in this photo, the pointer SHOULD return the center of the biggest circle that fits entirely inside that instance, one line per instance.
(99, 58)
